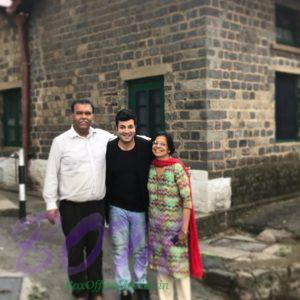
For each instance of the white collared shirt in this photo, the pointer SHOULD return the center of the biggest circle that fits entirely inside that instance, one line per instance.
(76, 167)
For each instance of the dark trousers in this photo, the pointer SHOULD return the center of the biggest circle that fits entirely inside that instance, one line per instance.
(83, 227)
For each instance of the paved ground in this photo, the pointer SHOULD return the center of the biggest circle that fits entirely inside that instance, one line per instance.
(259, 258)
(282, 215)
(40, 262)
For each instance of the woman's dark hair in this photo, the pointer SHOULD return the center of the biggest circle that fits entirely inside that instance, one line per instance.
(125, 115)
(169, 139)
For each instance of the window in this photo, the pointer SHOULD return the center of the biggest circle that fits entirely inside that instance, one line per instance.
(146, 98)
(287, 26)
(287, 98)
(11, 117)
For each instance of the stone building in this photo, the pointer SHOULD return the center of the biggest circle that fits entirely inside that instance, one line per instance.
(223, 76)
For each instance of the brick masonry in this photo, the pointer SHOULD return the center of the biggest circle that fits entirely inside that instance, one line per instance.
(219, 96)
(10, 69)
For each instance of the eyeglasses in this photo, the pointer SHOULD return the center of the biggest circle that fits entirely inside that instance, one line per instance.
(161, 144)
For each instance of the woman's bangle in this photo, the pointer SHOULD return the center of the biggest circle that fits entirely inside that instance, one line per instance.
(185, 232)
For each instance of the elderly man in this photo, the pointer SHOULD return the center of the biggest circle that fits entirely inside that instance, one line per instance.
(76, 177)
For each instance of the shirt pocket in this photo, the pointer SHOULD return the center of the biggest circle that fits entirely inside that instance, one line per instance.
(69, 165)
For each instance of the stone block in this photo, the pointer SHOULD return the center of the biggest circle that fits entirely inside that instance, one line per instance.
(219, 193)
(220, 279)
(245, 280)
(278, 250)
(295, 272)
(9, 171)
(244, 295)
(281, 235)
(282, 273)
(8, 208)
(199, 181)
(37, 170)
(210, 195)
(197, 84)
(266, 236)
(294, 290)
(267, 283)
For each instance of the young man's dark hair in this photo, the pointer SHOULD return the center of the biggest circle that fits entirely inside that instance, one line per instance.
(125, 115)
(169, 139)
(82, 101)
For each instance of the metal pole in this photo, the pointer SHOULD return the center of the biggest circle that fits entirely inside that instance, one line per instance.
(22, 197)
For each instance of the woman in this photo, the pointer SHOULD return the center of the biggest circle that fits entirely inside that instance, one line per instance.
(170, 211)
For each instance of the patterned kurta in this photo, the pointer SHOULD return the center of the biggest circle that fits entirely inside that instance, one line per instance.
(169, 193)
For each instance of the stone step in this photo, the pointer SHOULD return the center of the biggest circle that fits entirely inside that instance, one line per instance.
(8, 208)
(218, 221)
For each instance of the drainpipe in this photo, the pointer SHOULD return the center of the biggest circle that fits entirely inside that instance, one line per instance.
(21, 24)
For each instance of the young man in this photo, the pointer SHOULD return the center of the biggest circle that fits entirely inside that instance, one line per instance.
(127, 163)
(76, 177)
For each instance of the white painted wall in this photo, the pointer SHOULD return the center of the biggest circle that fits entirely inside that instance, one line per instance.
(210, 195)
(37, 170)
(9, 171)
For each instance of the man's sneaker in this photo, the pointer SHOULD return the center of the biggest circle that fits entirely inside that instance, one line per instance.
(125, 295)
(142, 294)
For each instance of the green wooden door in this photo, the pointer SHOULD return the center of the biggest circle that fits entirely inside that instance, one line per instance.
(146, 98)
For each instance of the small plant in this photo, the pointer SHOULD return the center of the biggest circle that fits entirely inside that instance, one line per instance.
(282, 252)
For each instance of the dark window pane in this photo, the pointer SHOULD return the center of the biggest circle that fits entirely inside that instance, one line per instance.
(141, 98)
(286, 26)
(142, 115)
(155, 109)
(11, 134)
(143, 130)
(286, 107)
(141, 111)
(12, 117)
(155, 96)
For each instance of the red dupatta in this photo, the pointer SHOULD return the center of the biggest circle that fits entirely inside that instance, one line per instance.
(196, 267)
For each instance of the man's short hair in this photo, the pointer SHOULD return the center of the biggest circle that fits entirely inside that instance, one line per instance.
(125, 115)
(82, 101)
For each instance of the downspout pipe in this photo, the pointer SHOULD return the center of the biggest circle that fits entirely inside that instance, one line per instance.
(21, 21)
(21, 24)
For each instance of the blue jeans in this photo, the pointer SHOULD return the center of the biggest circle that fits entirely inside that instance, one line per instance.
(128, 234)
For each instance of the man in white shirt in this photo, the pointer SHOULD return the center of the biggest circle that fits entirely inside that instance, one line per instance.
(76, 177)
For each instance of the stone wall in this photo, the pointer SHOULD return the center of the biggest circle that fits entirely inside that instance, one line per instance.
(10, 66)
(278, 282)
(240, 113)
(80, 49)
(218, 64)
